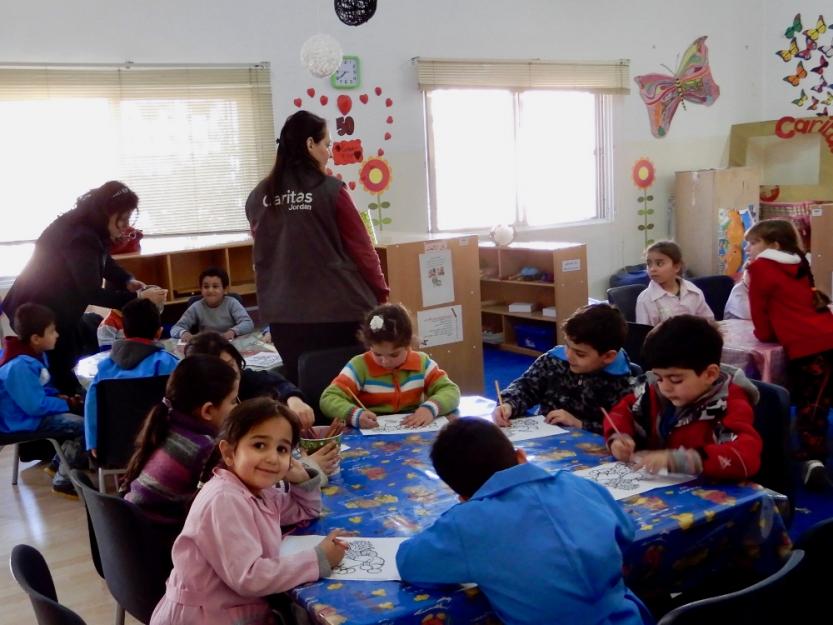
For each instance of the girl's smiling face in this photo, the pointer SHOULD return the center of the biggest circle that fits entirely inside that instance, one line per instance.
(262, 457)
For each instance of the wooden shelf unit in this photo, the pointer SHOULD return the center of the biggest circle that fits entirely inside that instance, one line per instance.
(565, 262)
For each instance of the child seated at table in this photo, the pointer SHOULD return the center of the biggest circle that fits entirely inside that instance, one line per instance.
(691, 415)
(543, 548)
(227, 558)
(138, 355)
(668, 293)
(390, 377)
(216, 311)
(28, 402)
(574, 381)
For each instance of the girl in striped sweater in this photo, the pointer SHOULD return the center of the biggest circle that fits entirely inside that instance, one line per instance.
(390, 377)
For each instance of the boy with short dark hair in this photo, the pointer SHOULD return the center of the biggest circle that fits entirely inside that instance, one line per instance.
(574, 382)
(138, 355)
(556, 570)
(28, 402)
(215, 311)
(691, 415)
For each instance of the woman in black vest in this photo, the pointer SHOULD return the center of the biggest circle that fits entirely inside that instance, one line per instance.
(317, 271)
(66, 271)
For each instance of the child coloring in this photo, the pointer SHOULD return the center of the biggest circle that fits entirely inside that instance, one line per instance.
(227, 558)
(787, 308)
(668, 294)
(390, 377)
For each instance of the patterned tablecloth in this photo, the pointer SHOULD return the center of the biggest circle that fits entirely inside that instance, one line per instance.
(386, 487)
(762, 361)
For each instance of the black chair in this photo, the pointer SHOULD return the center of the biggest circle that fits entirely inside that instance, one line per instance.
(318, 368)
(624, 298)
(19, 438)
(80, 477)
(30, 570)
(716, 290)
(134, 560)
(772, 600)
(772, 420)
(817, 545)
(123, 404)
(634, 341)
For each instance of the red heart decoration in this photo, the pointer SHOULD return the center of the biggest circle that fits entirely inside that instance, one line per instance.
(387, 136)
(344, 103)
(363, 98)
(323, 99)
(378, 90)
(311, 92)
(380, 152)
(297, 102)
(389, 119)
(389, 103)
(352, 185)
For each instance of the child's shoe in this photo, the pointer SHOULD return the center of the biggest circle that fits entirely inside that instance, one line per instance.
(51, 467)
(814, 475)
(62, 485)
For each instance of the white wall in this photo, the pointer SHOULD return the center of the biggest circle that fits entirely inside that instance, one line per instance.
(648, 32)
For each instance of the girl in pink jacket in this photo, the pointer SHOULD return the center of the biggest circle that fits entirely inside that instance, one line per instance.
(226, 560)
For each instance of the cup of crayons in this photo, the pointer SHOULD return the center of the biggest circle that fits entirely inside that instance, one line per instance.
(317, 436)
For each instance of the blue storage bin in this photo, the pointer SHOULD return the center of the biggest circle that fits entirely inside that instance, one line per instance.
(632, 274)
(533, 336)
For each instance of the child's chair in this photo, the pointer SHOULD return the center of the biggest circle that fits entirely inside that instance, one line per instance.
(624, 298)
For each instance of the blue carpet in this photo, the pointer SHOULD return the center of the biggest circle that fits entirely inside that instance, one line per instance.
(811, 507)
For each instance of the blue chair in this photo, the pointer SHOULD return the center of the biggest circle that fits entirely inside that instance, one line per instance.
(771, 600)
(30, 570)
(716, 290)
(624, 298)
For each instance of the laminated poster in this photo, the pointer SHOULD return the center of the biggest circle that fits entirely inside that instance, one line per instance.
(436, 275)
(440, 326)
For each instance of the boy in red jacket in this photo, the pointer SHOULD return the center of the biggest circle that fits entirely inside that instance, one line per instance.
(691, 415)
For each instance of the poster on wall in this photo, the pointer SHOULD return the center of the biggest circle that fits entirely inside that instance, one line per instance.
(731, 226)
(436, 276)
(440, 326)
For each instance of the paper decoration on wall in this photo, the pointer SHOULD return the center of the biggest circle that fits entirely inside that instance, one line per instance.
(355, 12)
(643, 175)
(692, 81)
(806, 65)
(731, 226)
(321, 55)
(795, 27)
(375, 177)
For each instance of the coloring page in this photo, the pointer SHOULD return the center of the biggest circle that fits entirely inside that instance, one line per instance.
(527, 428)
(371, 559)
(623, 481)
(391, 424)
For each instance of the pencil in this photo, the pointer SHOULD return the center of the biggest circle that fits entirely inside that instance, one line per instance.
(609, 420)
(499, 398)
(358, 401)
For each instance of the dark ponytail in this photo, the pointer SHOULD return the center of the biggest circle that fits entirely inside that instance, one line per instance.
(196, 380)
(292, 154)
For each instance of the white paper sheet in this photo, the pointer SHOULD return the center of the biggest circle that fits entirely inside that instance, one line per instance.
(369, 559)
(436, 276)
(390, 424)
(440, 326)
(476, 406)
(264, 360)
(623, 481)
(527, 428)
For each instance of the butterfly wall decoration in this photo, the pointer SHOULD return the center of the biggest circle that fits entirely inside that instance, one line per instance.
(692, 81)
(815, 38)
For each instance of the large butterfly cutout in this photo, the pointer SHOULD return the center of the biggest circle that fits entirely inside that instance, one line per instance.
(789, 53)
(795, 28)
(802, 100)
(800, 73)
(820, 29)
(692, 81)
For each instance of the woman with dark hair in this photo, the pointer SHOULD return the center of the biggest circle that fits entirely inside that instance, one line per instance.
(66, 271)
(317, 271)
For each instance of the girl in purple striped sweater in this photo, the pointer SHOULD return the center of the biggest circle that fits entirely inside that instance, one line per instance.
(178, 438)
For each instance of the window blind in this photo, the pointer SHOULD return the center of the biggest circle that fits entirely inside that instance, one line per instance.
(602, 77)
(191, 141)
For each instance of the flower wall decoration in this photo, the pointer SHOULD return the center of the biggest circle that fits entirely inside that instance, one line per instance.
(643, 175)
(375, 177)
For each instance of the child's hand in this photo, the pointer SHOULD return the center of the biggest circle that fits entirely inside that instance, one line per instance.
(229, 335)
(562, 417)
(501, 415)
(421, 416)
(368, 420)
(297, 473)
(304, 411)
(652, 461)
(622, 447)
(333, 548)
(186, 336)
(327, 457)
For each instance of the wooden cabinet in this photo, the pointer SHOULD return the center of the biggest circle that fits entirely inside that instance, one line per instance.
(563, 285)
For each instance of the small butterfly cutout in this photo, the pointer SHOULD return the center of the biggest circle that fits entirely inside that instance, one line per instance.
(802, 100)
(800, 73)
(806, 52)
(795, 28)
(819, 69)
(826, 51)
(824, 113)
(820, 29)
(789, 53)
(828, 100)
(813, 105)
(821, 86)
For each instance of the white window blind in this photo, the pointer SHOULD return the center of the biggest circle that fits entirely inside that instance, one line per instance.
(191, 141)
(600, 77)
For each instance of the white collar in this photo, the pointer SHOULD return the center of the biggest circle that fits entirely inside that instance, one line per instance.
(655, 291)
(785, 258)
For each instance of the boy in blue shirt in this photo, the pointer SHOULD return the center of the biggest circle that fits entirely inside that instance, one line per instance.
(138, 355)
(543, 548)
(215, 311)
(28, 402)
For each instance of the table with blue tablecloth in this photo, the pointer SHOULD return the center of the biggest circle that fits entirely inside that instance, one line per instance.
(387, 487)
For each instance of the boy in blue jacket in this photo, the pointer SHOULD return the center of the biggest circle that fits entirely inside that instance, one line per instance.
(137, 355)
(28, 402)
(556, 570)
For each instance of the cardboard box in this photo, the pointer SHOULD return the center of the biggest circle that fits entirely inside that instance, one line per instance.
(821, 234)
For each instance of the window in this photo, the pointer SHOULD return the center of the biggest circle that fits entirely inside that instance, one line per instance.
(509, 146)
(192, 143)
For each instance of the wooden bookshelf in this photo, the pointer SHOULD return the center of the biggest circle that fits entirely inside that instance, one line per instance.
(564, 263)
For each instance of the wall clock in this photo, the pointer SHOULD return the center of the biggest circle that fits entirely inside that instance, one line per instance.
(348, 74)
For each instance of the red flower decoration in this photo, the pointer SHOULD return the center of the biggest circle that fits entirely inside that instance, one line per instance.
(375, 175)
(643, 173)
